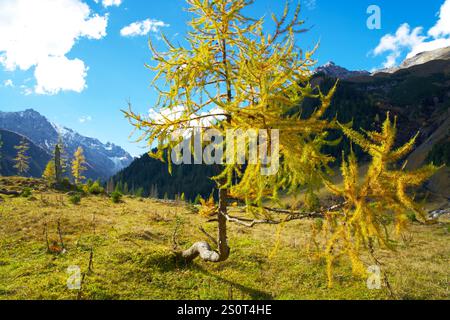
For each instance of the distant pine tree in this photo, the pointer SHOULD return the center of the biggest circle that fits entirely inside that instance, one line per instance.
(110, 186)
(139, 193)
(78, 166)
(50, 172)
(57, 167)
(119, 188)
(154, 192)
(22, 160)
(64, 158)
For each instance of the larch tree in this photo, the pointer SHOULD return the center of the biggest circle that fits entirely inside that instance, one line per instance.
(78, 165)
(57, 166)
(63, 156)
(49, 173)
(234, 77)
(22, 159)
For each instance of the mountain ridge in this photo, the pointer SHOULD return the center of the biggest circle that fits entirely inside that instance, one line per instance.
(419, 59)
(333, 70)
(104, 160)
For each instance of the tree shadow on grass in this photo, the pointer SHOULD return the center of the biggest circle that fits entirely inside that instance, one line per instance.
(169, 263)
(255, 294)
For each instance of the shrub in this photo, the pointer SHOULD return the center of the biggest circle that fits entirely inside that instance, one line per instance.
(96, 188)
(139, 193)
(411, 216)
(75, 199)
(197, 199)
(116, 197)
(26, 193)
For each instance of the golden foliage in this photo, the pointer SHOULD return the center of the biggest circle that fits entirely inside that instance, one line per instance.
(371, 200)
(50, 172)
(208, 207)
(78, 165)
(234, 76)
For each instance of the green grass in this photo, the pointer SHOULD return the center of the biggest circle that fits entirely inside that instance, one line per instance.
(132, 256)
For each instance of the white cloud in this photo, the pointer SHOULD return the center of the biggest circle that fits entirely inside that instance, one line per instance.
(85, 119)
(415, 41)
(55, 74)
(142, 28)
(208, 118)
(110, 3)
(404, 38)
(8, 83)
(442, 27)
(40, 33)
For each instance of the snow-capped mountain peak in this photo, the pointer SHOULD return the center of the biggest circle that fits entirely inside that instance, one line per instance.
(104, 160)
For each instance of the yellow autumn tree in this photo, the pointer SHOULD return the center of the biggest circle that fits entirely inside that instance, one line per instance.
(235, 77)
(22, 159)
(49, 173)
(78, 165)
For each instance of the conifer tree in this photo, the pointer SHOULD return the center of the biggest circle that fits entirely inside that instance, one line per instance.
(110, 186)
(50, 172)
(154, 194)
(57, 167)
(119, 187)
(64, 158)
(78, 166)
(22, 159)
(233, 75)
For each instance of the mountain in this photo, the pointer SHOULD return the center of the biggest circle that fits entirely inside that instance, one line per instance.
(419, 59)
(104, 160)
(38, 156)
(332, 70)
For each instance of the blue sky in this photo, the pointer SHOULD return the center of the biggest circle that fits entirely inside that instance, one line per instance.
(80, 71)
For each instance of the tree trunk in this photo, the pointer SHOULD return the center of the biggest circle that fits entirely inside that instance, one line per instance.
(203, 249)
(58, 169)
(224, 249)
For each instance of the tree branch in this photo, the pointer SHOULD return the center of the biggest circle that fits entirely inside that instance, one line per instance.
(292, 215)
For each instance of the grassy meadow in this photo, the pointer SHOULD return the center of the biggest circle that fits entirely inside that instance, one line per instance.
(129, 246)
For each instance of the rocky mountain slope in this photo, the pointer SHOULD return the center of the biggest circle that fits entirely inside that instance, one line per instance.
(104, 160)
(421, 58)
(330, 69)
